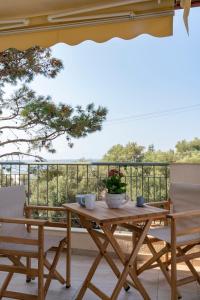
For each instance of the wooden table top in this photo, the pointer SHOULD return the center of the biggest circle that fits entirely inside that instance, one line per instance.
(129, 212)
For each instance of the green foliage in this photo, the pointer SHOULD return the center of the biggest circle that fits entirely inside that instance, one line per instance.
(189, 157)
(132, 152)
(35, 121)
(188, 151)
(159, 156)
(18, 65)
(185, 151)
(188, 146)
(128, 153)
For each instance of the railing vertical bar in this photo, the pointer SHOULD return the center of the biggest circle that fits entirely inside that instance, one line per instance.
(125, 177)
(136, 181)
(66, 181)
(10, 175)
(131, 182)
(47, 185)
(160, 188)
(142, 180)
(6, 180)
(28, 184)
(98, 178)
(166, 183)
(19, 174)
(154, 183)
(77, 183)
(38, 184)
(1, 175)
(87, 177)
(57, 185)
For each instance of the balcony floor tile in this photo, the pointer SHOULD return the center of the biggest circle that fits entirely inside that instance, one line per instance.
(153, 281)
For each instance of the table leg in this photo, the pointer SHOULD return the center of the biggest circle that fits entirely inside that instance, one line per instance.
(94, 265)
(134, 241)
(108, 237)
(128, 264)
(89, 277)
(107, 257)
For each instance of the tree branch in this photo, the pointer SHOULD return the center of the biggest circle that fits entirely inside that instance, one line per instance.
(18, 153)
(9, 117)
(18, 127)
(49, 137)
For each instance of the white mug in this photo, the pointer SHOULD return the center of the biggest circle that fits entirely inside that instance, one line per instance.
(90, 201)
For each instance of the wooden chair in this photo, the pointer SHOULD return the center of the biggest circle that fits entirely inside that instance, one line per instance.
(18, 241)
(181, 236)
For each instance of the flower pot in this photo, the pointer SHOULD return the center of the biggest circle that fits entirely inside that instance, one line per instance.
(115, 200)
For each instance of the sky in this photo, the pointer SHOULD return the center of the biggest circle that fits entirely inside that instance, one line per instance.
(150, 85)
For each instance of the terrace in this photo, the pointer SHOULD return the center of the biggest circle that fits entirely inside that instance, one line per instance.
(46, 23)
(56, 184)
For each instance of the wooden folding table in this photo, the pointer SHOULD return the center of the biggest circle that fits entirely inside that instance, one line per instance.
(108, 220)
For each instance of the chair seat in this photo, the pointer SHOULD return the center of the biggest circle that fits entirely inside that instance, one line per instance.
(21, 232)
(164, 234)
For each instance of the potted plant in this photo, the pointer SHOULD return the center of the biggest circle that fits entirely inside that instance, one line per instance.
(115, 188)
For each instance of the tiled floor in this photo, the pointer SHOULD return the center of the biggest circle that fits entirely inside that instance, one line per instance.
(153, 281)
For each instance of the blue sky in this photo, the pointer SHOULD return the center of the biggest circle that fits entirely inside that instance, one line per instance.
(135, 77)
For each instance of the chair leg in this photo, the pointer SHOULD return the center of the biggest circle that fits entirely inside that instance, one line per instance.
(53, 266)
(41, 295)
(167, 258)
(152, 260)
(173, 261)
(134, 241)
(68, 253)
(16, 261)
(57, 275)
(163, 265)
(28, 265)
(190, 266)
(5, 284)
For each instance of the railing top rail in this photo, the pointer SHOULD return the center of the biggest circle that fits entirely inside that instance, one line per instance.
(44, 163)
(134, 164)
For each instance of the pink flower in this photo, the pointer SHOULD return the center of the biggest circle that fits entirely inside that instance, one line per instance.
(115, 172)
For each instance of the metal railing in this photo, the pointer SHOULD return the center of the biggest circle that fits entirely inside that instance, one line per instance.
(58, 183)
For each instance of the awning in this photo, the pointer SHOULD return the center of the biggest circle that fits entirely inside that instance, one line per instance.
(25, 23)
(186, 4)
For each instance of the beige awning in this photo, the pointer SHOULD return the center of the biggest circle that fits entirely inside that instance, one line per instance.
(24, 23)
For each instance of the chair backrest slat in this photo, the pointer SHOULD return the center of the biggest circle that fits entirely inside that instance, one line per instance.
(185, 197)
(12, 200)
